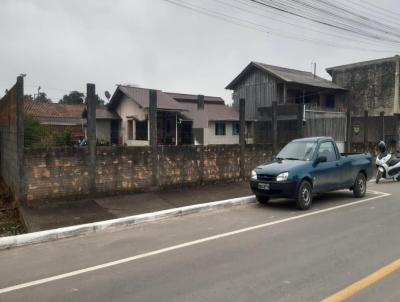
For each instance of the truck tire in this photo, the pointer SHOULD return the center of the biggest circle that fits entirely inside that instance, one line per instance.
(262, 199)
(360, 186)
(304, 196)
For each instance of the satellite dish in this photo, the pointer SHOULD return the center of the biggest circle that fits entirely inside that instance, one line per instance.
(107, 94)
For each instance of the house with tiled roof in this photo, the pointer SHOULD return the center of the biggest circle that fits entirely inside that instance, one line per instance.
(181, 118)
(71, 117)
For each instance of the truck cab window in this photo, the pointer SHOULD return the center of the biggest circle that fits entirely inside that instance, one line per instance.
(328, 150)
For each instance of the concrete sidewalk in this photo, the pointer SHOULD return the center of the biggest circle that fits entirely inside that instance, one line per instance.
(52, 215)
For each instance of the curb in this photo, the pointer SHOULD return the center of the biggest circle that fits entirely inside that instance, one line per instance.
(88, 228)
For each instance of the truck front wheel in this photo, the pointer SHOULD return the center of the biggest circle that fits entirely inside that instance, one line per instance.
(360, 185)
(304, 196)
(262, 199)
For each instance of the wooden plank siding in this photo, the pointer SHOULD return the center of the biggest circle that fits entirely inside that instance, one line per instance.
(259, 89)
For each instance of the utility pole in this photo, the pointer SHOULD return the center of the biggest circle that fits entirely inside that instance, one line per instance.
(38, 93)
(396, 86)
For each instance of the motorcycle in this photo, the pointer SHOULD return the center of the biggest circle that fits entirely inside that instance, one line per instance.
(387, 163)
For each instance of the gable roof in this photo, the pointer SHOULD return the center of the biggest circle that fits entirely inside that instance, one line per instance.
(211, 112)
(54, 113)
(214, 109)
(287, 75)
(184, 97)
(41, 109)
(141, 97)
(363, 63)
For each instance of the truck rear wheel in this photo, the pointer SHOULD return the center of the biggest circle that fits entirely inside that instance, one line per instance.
(360, 186)
(304, 196)
(262, 199)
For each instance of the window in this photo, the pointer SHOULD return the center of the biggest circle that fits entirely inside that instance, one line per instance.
(141, 130)
(219, 128)
(130, 129)
(235, 128)
(328, 150)
(330, 101)
(301, 150)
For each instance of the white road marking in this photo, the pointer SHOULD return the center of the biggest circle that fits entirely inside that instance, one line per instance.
(180, 246)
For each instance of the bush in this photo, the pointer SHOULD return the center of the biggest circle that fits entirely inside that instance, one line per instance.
(63, 138)
(32, 131)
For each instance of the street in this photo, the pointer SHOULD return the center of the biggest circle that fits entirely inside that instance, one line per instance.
(248, 253)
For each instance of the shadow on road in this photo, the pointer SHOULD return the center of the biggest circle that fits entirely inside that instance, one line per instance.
(327, 199)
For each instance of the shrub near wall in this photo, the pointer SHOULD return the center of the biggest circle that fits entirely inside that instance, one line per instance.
(62, 173)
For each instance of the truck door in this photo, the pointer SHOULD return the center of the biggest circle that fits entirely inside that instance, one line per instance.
(327, 175)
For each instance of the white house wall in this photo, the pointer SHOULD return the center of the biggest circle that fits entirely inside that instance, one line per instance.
(211, 139)
(126, 110)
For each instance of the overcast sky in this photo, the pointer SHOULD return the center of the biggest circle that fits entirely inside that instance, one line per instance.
(62, 45)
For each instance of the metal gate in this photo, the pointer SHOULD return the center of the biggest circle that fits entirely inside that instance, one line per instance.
(327, 123)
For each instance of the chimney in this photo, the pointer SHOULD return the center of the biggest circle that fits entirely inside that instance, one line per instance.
(200, 102)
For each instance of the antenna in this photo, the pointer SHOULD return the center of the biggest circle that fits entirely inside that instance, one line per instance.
(315, 69)
(107, 94)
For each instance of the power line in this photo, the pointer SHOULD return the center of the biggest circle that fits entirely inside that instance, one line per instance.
(296, 11)
(284, 21)
(261, 28)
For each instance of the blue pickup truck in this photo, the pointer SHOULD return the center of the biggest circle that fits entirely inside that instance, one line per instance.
(311, 165)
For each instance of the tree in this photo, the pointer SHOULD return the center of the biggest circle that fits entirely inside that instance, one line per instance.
(28, 98)
(42, 97)
(100, 101)
(74, 97)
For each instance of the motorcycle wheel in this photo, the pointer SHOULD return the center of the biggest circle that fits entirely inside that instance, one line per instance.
(378, 176)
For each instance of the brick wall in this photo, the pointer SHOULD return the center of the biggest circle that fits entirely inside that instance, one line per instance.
(62, 173)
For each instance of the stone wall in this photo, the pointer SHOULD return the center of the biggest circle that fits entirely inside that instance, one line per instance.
(63, 173)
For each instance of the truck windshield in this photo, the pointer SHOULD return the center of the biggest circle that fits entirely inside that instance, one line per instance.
(297, 151)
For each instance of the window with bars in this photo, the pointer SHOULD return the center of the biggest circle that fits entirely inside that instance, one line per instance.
(220, 128)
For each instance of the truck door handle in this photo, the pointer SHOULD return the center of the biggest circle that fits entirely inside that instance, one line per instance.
(337, 165)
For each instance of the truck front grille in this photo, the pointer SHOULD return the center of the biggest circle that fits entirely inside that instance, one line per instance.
(266, 177)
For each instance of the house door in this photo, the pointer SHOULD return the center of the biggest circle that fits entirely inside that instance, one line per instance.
(114, 127)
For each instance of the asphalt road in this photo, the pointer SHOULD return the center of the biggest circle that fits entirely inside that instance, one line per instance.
(248, 253)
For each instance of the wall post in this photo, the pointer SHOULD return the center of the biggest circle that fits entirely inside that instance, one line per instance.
(91, 104)
(382, 116)
(300, 120)
(242, 141)
(21, 190)
(348, 130)
(397, 130)
(365, 122)
(153, 134)
(274, 128)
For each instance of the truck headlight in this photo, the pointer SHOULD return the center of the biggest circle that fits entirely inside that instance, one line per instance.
(283, 176)
(253, 175)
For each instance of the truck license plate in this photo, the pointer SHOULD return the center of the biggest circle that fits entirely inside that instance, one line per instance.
(262, 186)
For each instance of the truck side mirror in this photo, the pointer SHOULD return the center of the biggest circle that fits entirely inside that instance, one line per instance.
(321, 159)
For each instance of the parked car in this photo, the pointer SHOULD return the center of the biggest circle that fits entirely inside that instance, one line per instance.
(311, 165)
